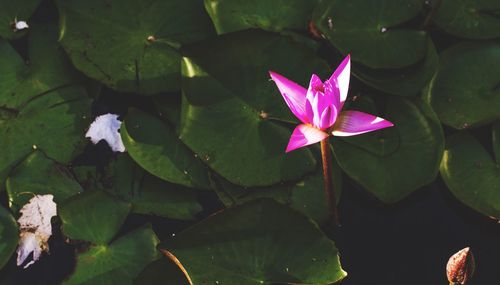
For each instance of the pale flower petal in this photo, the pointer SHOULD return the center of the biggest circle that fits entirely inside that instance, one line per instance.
(21, 25)
(341, 78)
(35, 228)
(305, 135)
(351, 123)
(294, 95)
(106, 127)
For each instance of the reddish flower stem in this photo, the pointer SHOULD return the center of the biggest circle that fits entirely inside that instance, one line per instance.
(326, 158)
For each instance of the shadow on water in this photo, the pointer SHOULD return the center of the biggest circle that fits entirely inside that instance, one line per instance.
(410, 242)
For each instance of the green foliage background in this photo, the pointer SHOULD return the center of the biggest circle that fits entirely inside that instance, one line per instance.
(200, 117)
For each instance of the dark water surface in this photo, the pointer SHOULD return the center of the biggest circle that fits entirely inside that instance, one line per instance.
(410, 243)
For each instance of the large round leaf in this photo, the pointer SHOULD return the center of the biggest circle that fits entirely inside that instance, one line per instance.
(131, 45)
(474, 19)
(407, 81)
(394, 162)
(159, 272)
(261, 242)
(471, 174)
(117, 263)
(41, 104)
(306, 195)
(10, 11)
(273, 15)
(93, 216)
(369, 31)
(156, 147)
(466, 90)
(496, 140)
(40, 175)
(150, 195)
(8, 236)
(234, 117)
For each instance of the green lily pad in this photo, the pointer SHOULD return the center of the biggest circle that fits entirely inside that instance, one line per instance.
(466, 89)
(406, 82)
(41, 103)
(39, 175)
(474, 19)
(157, 148)
(370, 31)
(150, 195)
(169, 109)
(10, 11)
(306, 196)
(131, 46)
(234, 117)
(9, 236)
(496, 140)
(261, 242)
(117, 263)
(396, 161)
(471, 174)
(273, 15)
(159, 271)
(93, 216)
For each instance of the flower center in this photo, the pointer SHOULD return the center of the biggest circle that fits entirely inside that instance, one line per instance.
(319, 88)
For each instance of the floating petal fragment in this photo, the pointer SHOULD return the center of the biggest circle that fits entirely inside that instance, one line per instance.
(106, 127)
(35, 228)
(21, 25)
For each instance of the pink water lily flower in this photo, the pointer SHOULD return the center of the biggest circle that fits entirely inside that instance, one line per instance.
(319, 108)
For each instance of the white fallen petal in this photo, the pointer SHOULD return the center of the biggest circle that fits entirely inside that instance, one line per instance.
(28, 244)
(106, 127)
(35, 228)
(21, 25)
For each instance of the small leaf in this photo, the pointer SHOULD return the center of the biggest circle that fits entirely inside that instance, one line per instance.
(156, 147)
(150, 195)
(469, 18)
(93, 216)
(37, 174)
(394, 162)
(471, 174)
(117, 263)
(129, 45)
(465, 92)
(370, 31)
(407, 81)
(35, 228)
(275, 15)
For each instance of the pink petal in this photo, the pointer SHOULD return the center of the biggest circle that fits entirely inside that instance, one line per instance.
(305, 135)
(351, 123)
(321, 99)
(328, 117)
(294, 95)
(341, 78)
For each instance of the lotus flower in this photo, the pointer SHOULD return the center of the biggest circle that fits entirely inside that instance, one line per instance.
(319, 108)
